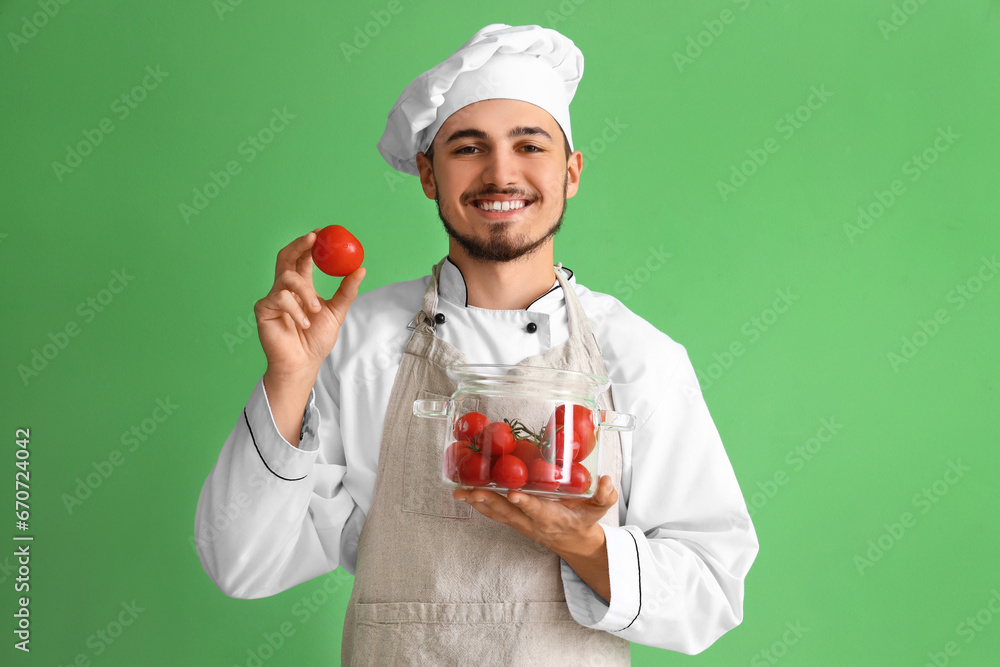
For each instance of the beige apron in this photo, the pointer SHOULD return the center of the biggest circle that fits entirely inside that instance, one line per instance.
(437, 583)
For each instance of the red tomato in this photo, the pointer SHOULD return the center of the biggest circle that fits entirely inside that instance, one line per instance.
(470, 425)
(474, 470)
(583, 428)
(336, 251)
(453, 456)
(526, 450)
(579, 480)
(496, 439)
(544, 476)
(509, 472)
(554, 448)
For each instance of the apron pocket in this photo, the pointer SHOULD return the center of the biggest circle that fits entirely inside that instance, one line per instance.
(424, 489)
(502, 634)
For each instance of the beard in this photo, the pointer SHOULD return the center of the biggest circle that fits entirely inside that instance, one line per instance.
(501, 245)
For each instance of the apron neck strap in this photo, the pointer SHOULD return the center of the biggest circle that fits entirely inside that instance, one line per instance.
(578, 324)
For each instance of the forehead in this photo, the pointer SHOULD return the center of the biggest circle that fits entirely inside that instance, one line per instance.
(497, 118)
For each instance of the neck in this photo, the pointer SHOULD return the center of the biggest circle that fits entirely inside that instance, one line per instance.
(505, 285)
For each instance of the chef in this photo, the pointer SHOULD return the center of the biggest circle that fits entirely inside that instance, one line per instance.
(327, 467)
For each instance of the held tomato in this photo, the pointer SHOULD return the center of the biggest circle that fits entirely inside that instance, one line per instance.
(526, 450)
(579, 480)
(453, 456)
(470, 425)
(474, 470)
(510, 472)
(336, 251)
(582, 427)
(496, 439)
(544, 476)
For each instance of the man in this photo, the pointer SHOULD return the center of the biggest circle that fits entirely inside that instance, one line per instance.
(329, 468)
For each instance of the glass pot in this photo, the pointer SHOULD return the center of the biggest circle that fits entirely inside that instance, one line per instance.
(525, 428)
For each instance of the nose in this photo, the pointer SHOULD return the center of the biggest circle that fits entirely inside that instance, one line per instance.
(500, 169)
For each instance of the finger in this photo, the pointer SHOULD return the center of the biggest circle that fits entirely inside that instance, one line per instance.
(289, 256)
(302, 288)
(494, 506)
(345, 294)
(284, 301)
(606, 495)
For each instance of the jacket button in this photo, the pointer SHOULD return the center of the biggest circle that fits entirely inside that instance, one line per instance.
(439, 318)
(531, 328)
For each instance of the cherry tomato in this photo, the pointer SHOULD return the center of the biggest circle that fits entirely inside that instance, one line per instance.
(453, 456)
(579, 480)
(583, 429)
(336, 251)
(526, 450)
(554, 448)
(470, 425)
(544, 476)
(509, 472)
(496, 439)
(474, 470)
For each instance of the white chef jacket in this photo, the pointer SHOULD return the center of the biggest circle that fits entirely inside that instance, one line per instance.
(272, 515)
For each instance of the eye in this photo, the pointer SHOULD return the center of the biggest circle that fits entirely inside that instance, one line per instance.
(531, 148)
(466, 150)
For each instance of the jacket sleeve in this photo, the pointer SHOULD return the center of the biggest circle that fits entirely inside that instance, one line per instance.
(678, 562)
(271, 515)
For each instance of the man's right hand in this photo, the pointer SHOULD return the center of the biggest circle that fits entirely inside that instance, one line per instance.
(298, 329)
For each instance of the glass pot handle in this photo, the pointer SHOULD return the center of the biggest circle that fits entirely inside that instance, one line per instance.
(615, 421)
(433, 409)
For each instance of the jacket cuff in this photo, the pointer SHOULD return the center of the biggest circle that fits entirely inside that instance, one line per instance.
(276, 454)
(587, 607)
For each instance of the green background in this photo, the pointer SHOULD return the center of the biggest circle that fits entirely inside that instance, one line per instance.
(673, 129)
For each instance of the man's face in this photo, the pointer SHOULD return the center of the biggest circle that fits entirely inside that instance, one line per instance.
(495, 155)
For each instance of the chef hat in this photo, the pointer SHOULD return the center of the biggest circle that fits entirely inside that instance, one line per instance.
(526, 63)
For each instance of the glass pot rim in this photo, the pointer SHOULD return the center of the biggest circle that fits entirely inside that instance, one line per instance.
(540, 377)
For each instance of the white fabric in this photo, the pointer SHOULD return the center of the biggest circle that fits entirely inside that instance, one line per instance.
(526, 63)
(271, 515)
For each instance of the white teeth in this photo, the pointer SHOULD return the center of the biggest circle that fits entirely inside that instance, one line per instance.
(502, 205)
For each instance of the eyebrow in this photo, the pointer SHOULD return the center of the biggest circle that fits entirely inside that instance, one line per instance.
(519, 131)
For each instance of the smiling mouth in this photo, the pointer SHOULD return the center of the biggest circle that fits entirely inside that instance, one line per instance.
(500, 204)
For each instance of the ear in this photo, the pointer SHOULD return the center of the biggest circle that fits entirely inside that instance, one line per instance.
(426, 176)
(574, 165)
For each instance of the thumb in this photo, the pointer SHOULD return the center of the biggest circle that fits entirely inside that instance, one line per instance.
(344, 296)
